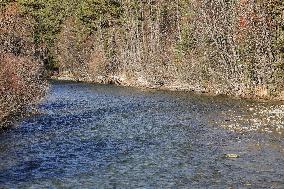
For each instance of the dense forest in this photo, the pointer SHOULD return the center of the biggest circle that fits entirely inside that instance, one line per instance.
(233, 47)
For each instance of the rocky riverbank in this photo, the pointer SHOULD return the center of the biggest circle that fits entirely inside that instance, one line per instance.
(173, 85)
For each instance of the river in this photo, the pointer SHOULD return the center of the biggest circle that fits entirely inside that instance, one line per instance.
(106, 136)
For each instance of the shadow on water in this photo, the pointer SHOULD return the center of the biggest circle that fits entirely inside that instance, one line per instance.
(104, 136)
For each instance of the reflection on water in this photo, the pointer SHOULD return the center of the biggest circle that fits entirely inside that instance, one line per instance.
(99, 136)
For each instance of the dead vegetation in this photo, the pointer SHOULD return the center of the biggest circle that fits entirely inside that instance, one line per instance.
(21, 73)
(21, 85)
(215, 46)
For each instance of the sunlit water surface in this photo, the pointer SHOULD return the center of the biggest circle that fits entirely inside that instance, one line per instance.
(104, 136)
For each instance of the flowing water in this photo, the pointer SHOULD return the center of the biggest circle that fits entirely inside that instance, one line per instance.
(104, 136)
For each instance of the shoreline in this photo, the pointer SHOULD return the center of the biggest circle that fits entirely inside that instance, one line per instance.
(178, 87)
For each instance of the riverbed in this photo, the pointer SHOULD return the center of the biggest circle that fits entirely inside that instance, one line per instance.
(106, 136)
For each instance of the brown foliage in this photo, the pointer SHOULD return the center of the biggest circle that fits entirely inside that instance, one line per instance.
(21, 80)
(21, 85)
(16, 31)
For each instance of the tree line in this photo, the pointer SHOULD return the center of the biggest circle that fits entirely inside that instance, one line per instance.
(233, 47)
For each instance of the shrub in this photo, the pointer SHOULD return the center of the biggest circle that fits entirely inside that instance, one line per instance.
(21, 86)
